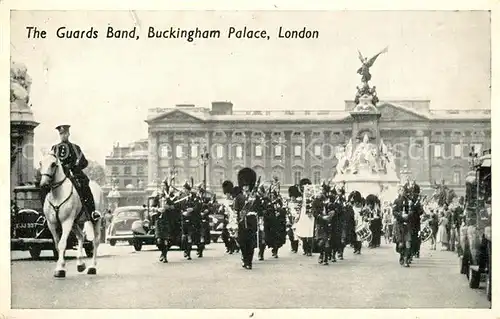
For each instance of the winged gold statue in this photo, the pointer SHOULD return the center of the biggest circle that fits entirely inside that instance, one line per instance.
(366, 64)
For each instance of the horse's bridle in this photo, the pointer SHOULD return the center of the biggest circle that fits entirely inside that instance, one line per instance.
(51, 176)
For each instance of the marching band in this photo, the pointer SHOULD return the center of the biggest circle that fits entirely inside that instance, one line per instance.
(320, 218)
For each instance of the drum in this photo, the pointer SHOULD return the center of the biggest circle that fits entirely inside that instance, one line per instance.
(425, 233)
(363, 232)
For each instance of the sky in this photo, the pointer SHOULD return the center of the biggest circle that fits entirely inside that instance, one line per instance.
(104, 87)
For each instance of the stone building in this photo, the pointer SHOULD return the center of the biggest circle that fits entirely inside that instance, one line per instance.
(293, 144)
(127, 165)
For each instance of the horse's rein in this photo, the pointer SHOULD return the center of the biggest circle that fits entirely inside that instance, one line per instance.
(56, 185)
(51, 176)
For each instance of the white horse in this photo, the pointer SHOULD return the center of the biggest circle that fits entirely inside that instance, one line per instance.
(62, 208)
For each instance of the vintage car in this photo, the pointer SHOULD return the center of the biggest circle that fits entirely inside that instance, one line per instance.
(475, 233)
(29, 229)
(131, 224)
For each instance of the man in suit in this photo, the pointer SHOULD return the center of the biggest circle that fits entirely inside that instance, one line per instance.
(74, 162)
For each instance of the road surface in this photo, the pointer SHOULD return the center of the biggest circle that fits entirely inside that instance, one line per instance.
(128, 279)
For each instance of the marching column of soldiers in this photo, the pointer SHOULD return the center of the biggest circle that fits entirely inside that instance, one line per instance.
(181, 218)
(256, 216)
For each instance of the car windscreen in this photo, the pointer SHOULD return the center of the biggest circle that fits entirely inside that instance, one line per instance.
(128, 214)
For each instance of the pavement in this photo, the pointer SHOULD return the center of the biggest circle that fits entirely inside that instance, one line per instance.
(129, 279)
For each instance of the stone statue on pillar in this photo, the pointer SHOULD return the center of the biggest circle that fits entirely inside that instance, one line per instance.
(366, 97)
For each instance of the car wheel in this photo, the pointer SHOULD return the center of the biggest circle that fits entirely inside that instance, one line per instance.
(35, 252)
(137, 245)
(112, 242)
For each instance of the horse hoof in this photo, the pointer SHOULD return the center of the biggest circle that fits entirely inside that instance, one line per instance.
(92, 271)
(60, 273)
(81, 268)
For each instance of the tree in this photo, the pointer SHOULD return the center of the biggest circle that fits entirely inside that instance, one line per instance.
(96, 172)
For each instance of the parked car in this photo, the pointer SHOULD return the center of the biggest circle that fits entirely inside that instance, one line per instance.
(131, 224)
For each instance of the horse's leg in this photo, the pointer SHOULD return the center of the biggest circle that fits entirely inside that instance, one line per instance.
(66, 226)
(80, 265)
(55, 235)
(95, 244)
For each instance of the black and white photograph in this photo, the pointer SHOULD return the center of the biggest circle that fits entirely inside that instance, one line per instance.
(250, 159)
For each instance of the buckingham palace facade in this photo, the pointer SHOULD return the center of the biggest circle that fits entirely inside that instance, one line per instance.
(432, 144)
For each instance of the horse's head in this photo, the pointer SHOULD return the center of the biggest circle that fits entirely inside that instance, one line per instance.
(48, 168)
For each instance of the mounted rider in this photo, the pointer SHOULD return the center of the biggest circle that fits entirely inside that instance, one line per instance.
(73, 162)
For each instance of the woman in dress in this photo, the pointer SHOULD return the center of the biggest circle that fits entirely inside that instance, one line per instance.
(442, 234)
(434, 225)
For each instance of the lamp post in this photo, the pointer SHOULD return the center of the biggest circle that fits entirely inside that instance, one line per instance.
(205, 156)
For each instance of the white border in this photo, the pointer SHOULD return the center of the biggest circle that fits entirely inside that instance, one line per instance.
(6, 6)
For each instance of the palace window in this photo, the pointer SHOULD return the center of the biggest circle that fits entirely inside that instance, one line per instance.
(127, 170)
(165, 151)
(438, 150)
(456, 178)
(277, 150)
(140, 170)
(219, 151)
(258, 150)
(194, 151)
(297, 176)
(316, 177)
(179, 152)
(297, 150)
(127, 182)
(317, 150)
(115, 170)
(239, 152)
(477, 148)
(457, 150)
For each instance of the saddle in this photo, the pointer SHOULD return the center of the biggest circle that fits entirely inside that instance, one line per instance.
(83, 216)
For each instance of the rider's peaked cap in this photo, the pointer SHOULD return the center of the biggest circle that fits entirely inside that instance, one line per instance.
(63, 128)
(247, 177)
(227, 187)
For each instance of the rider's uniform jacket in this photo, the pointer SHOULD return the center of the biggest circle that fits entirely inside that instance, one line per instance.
(71, 157)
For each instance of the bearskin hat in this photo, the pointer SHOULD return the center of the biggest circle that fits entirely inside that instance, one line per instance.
(415, 189)
(355, 197)
(227, 187)
(247, 177)
(293, 191)
(372, 200)
(305, 181)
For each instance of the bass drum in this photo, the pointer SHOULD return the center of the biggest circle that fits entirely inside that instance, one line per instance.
(425, 233)
(363, 233)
